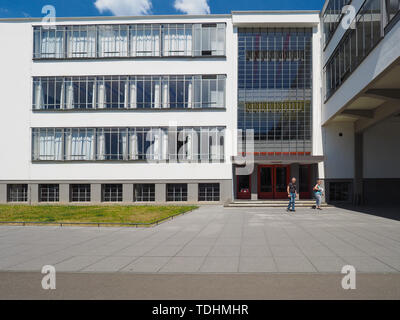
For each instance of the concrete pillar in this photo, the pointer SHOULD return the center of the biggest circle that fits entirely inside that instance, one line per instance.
(33, 193)
(161, 192)
(295, 172)
(127, 193)
(64, 192)
(3, 193)
(358, 169)
(193, 192)
(254, 184)
(95, 192)
(225, 191)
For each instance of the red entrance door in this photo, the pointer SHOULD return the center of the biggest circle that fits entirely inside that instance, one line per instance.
(273, 181)
(244, 187)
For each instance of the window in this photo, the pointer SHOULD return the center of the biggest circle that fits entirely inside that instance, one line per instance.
(79, 144)
(113, 41)
(209, 39)
(177, 192)
(209, 192)
(340, 191)
(17, 192)
(49, 43)
(49, 193)
(134, 92)
(145, 40)
(112, 144)
(145, 193)
(81, 41)
(137, 40)
(79, 192)
(48, 144)
(177, 40)
(111, 193)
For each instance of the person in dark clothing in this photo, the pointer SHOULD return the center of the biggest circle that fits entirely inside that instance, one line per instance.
(292, 194)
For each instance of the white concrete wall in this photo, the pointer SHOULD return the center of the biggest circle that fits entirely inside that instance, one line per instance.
(382, 150)
(339, 151)
(15, 100)
(317, 89)
(17, 117)
(275, 18)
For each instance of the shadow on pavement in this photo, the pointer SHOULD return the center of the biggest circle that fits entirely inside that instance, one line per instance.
(389, 212)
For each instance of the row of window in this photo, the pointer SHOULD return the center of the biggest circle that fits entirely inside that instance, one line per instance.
(137, 40)
(332, 17)
(205, 144)
(355, 46)
(113, 192)
(129, 92)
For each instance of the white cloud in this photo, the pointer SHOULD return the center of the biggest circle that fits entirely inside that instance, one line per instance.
(192, 6)
(124, 7)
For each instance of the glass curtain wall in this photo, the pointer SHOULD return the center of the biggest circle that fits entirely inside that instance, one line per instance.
(275, 89)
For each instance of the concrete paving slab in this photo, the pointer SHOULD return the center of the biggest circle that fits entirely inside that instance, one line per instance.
(220, 265)
(183, 265)
(224, 239)
(109, 264)
(257, 264)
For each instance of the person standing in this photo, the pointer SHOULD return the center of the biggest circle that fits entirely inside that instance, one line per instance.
(319, 192)
(292, 194)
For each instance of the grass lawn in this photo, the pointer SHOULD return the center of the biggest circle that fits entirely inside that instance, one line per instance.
(90, 214)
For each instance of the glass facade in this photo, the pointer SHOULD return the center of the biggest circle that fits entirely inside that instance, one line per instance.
(129, 41)
(275, 89)
(129, 92)
(354, 46)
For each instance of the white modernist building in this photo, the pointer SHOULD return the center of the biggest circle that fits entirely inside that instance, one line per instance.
(161, 108)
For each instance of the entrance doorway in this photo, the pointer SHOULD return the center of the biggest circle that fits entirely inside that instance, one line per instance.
(244, 187)
(305, 181)
(273, 181)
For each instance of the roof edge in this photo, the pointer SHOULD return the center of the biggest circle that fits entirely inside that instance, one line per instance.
(276, 11)
(172, 16)
(116, 18)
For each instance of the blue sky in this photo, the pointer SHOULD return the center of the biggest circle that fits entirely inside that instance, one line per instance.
(70, 8)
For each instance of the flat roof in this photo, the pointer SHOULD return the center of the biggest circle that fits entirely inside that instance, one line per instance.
(176, 16)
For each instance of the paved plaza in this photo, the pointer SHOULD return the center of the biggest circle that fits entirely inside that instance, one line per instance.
(214, 239)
